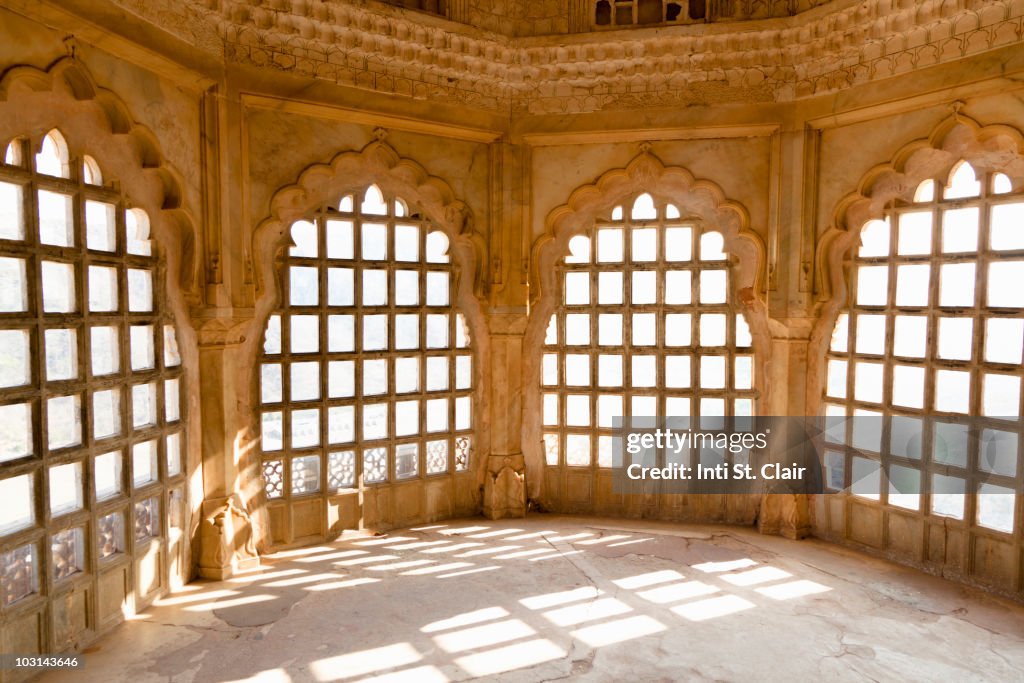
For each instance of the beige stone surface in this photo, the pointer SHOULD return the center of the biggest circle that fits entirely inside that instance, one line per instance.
(550, 597)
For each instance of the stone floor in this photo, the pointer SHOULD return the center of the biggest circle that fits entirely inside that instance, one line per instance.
(559, 597)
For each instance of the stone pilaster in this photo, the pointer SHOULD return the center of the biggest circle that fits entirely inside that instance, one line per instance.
(505, 477)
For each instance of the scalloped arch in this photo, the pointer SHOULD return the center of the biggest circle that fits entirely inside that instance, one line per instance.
(97, 121)
(988, 148)
(697, 199)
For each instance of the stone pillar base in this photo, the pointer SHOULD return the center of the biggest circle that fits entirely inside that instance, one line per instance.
(784, 514)
(505, 487)
(226, 545)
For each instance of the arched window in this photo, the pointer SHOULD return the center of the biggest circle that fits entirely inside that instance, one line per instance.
(366, 376)
(927, 356)
(91, 418)
(647, 326)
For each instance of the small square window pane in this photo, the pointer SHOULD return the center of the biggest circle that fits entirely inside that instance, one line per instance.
(110, 529)
(678, 244)
(305, 333)
(56, 225)
(12, 225)
(609, 407)
(407, 418)
(956, 285)
(1005, 231)
(437, 415)
(577, 329)
(341, 379)
(144, 463)
(437, 289)
(1000, 396)
(340, 287)
(712, 372)
(102, 289)
(644, 244)
(912, 285)
(437, 331)
(374, 241)
(305, 381)
(911, 336)
(678, 287)
(67, 550)
(407, 460)
(61, 354)
(341, 330)
(867, 382)
(870, 334)
(140, 290)
(577, 410)
(407, 375)
(464, 372)
(866, 478)
(906, 435)
(407, 288)
(375, 287)
(100, 226)
(836, 383)
(550, 409)
(375, 421)
(677, 329)
(995, 507)
(677, 372)
(1004, 284)
(341, 424)
(272, 431)
(577, 369)
(106, 413)
(956, 338)
(998, 452)
(437, 373)
(272, 335)
(173, 444)
(644, 371)
(960, 230)
(143, 405)
(645, 287)
(305, 428)
(58, 283)
(577, 289)
(407, 331)
(105, 350)
(107, 475)
(609, 245)
(1004, 340)
(13, 291)
(915, 234)
(63, 422)
(577, 450)
(375, 377)
(841, 334)
(609, 329)
(712, 329)
(952, 391)
(141, 338)
(643, 329)
(14, 358)
(872, 285)
(339, 240)
(16, 437)
(713, 287)
(437, 456)
(609, 370)
(303, 286)
(463, 413)
(407, 243)
(711, 247)
(305, 474)
(147, 520)
(65, 488)
(437, 247)
(375, 332)
(609, 288)
(270, 383)
(874, 239)
(744, 378)
(375, 465)
(18, 510)
(908, 386)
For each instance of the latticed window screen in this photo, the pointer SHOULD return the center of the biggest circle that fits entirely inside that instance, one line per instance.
(91, 423)
(640, 12)
(934, 333)
(366, 374)
(646, 326)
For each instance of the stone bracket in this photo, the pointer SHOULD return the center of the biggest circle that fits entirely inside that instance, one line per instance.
(226, 544)
(505, 487)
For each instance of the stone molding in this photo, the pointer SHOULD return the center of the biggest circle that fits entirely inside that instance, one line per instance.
(389, 50)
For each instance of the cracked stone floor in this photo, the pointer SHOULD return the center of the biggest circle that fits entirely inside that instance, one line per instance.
(549, 598)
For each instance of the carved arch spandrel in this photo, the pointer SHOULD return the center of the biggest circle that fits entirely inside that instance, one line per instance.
(988, 149)
(325, 184)
(96, 121)
(698, 200)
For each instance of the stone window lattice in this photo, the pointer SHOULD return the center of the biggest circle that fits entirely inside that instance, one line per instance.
(91, 423)
(366, 375)
(646, 326)
(933, 335)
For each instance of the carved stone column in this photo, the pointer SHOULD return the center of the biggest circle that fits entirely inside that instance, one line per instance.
(226, 532)
(505, 478)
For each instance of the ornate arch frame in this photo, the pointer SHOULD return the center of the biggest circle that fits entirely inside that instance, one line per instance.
(698, 199)
(352, 171)
(988, 148)
(97, 122)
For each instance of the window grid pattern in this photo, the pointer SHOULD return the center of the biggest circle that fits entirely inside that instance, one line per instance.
(366, 372)
(647, 325)
(90, 376)
(934, 334)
